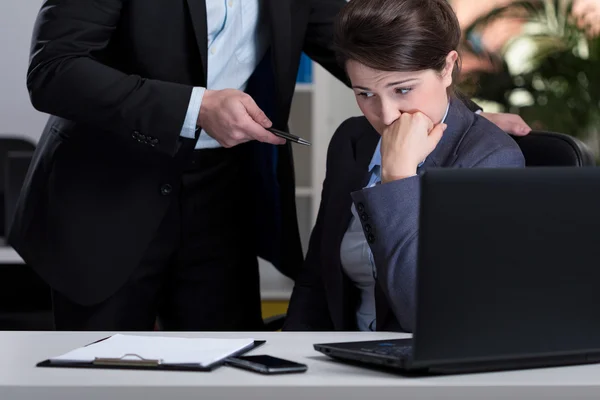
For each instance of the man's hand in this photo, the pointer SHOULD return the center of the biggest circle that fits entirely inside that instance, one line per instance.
(587, 16)
(406, 143)
(510, 123)
(232, 117)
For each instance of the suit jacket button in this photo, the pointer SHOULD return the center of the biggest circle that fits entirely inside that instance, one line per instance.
(368, 228)
(364, 216)
(360, 207)
(370, 238)
(166, 189)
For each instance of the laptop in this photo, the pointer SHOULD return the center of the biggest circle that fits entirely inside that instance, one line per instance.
(508, 274)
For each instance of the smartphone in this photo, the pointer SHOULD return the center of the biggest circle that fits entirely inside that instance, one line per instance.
(265, 364)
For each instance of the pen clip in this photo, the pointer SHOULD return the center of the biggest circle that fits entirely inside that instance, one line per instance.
(139, 361)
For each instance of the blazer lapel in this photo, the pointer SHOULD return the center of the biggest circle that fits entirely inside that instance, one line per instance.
(279, 14)
(459, 121)
(197, 10)
(338, 217)
(357, 178)
(359, 174)
(280, 22)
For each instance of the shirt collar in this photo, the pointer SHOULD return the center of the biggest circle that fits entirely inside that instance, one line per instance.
(376, 160)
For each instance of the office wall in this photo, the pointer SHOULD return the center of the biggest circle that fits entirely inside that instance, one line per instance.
(16, 113)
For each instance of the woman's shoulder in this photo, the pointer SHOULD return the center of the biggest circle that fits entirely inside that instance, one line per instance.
(355, 136)
(352, 129)
(485, 136)
(349, 133)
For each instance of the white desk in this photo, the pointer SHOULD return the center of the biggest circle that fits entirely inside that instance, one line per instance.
(325, 379)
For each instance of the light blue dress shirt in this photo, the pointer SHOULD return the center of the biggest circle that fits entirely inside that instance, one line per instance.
(356, 257)
(237, 41)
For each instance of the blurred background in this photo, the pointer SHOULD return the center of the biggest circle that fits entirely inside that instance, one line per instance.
(537, 58)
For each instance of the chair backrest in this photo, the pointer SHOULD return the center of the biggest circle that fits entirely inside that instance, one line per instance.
(547, 149)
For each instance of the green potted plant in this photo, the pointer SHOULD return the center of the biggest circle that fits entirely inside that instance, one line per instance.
(549, 73)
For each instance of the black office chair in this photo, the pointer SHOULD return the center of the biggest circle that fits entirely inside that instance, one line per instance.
(274, 323)
(546, 149)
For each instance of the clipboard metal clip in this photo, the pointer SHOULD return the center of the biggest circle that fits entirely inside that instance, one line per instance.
(138, 361)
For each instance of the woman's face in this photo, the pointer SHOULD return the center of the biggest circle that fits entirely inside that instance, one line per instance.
(383, 96)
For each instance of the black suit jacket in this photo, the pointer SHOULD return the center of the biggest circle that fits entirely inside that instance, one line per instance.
(116, 77)
(323, 297)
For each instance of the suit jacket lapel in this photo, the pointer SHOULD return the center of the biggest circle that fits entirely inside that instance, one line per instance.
(338, 218)
(197, 10)
(279, 14)
(358, 176)
(459, 121)
(280, 22)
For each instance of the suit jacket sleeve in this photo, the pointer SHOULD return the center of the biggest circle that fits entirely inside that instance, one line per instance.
(318, 42)
(67, 78)
(393, 214)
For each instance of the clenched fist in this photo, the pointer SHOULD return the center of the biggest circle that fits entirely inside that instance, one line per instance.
(406, 143)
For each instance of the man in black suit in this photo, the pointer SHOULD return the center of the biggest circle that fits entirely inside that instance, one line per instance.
(125, 213)
(155, 184)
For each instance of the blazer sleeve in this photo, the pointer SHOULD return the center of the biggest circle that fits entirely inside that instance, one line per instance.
(67, 78)
(318, 41)
(392, 213)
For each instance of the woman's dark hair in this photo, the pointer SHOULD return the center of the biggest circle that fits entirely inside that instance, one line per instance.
(398, 35)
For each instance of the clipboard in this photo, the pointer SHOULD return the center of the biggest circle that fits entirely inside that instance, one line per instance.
(135, 362)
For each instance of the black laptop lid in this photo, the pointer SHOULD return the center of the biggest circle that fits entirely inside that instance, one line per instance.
(509, 263)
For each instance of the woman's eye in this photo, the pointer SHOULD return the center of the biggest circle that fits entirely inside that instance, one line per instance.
(366, 94)
(403, 90)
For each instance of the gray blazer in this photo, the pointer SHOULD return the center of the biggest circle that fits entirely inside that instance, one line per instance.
(323, 297)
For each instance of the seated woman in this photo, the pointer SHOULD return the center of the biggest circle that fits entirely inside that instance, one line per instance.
(401, 58)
